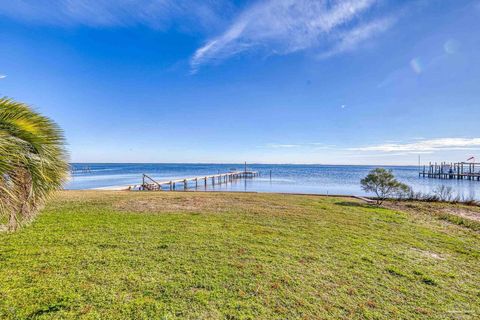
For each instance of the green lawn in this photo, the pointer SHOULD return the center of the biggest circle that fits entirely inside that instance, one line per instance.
(101, 255)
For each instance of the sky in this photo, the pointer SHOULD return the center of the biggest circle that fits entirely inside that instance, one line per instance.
(280, 81)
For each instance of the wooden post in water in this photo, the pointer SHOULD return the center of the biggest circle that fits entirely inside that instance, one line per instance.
(149, 183)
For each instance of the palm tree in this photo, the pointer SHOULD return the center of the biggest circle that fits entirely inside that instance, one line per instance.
(33, 162)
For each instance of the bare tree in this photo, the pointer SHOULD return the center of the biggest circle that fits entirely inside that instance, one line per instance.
(444, 193)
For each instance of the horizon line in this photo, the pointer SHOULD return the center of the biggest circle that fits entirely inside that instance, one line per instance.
(253, 163)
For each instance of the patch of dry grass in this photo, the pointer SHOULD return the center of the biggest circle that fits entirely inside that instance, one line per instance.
(461, 214)
(207, 202)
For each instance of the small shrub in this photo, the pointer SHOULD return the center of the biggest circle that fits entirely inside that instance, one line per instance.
(444, 193)
(383, 184)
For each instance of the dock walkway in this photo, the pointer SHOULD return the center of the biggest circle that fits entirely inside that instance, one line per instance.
(459, 170)
(150, 184)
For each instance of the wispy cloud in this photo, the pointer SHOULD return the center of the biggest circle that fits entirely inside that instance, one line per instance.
(422, 146)
(416, 146)
(350, 39)
(109, 13)
(279, 146)
(272, 26)
(286, 26)
(3, 76)
(311, 145)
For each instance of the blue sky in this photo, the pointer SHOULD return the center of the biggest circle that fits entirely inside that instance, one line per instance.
(283, 81)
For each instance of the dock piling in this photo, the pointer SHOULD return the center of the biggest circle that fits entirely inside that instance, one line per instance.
(150, 184)
(458, 170)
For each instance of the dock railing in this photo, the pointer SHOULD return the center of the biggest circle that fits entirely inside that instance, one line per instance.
(457, 170)
(150, 184)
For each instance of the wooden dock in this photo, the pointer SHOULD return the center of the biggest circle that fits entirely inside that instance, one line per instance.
(458, 170)
(150, 184)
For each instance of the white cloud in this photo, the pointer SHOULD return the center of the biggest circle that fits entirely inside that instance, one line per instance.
(422, 146)
(286, 26)
(351, 39)
(110, 13)
(3, 76)
(279, 146)
(309, 145)
(274, 26)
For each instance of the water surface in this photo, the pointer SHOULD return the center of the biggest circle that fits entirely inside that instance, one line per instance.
(315, 179)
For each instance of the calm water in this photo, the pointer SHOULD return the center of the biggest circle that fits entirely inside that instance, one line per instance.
(318, 179)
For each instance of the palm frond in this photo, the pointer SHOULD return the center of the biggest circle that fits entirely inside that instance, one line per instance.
(33, 161)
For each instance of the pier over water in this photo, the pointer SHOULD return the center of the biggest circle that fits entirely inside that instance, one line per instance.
(150, 184)
(457, 170)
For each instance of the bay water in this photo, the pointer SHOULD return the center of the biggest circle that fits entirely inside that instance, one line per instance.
(285, 178)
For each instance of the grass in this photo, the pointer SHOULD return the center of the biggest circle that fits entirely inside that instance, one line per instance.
(119, 255)
(466, 215)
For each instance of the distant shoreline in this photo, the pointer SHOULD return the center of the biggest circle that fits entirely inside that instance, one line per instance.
(248, 163)
(291, 179)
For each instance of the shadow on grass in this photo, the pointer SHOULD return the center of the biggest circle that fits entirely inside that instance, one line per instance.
(357, 204)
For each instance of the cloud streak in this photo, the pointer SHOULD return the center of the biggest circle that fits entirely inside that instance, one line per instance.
(351, 39)
(422, 146)
(112, 13)
(282, 146)
(309, 145)
(287, 26)
(328, 27)
(3, 76)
